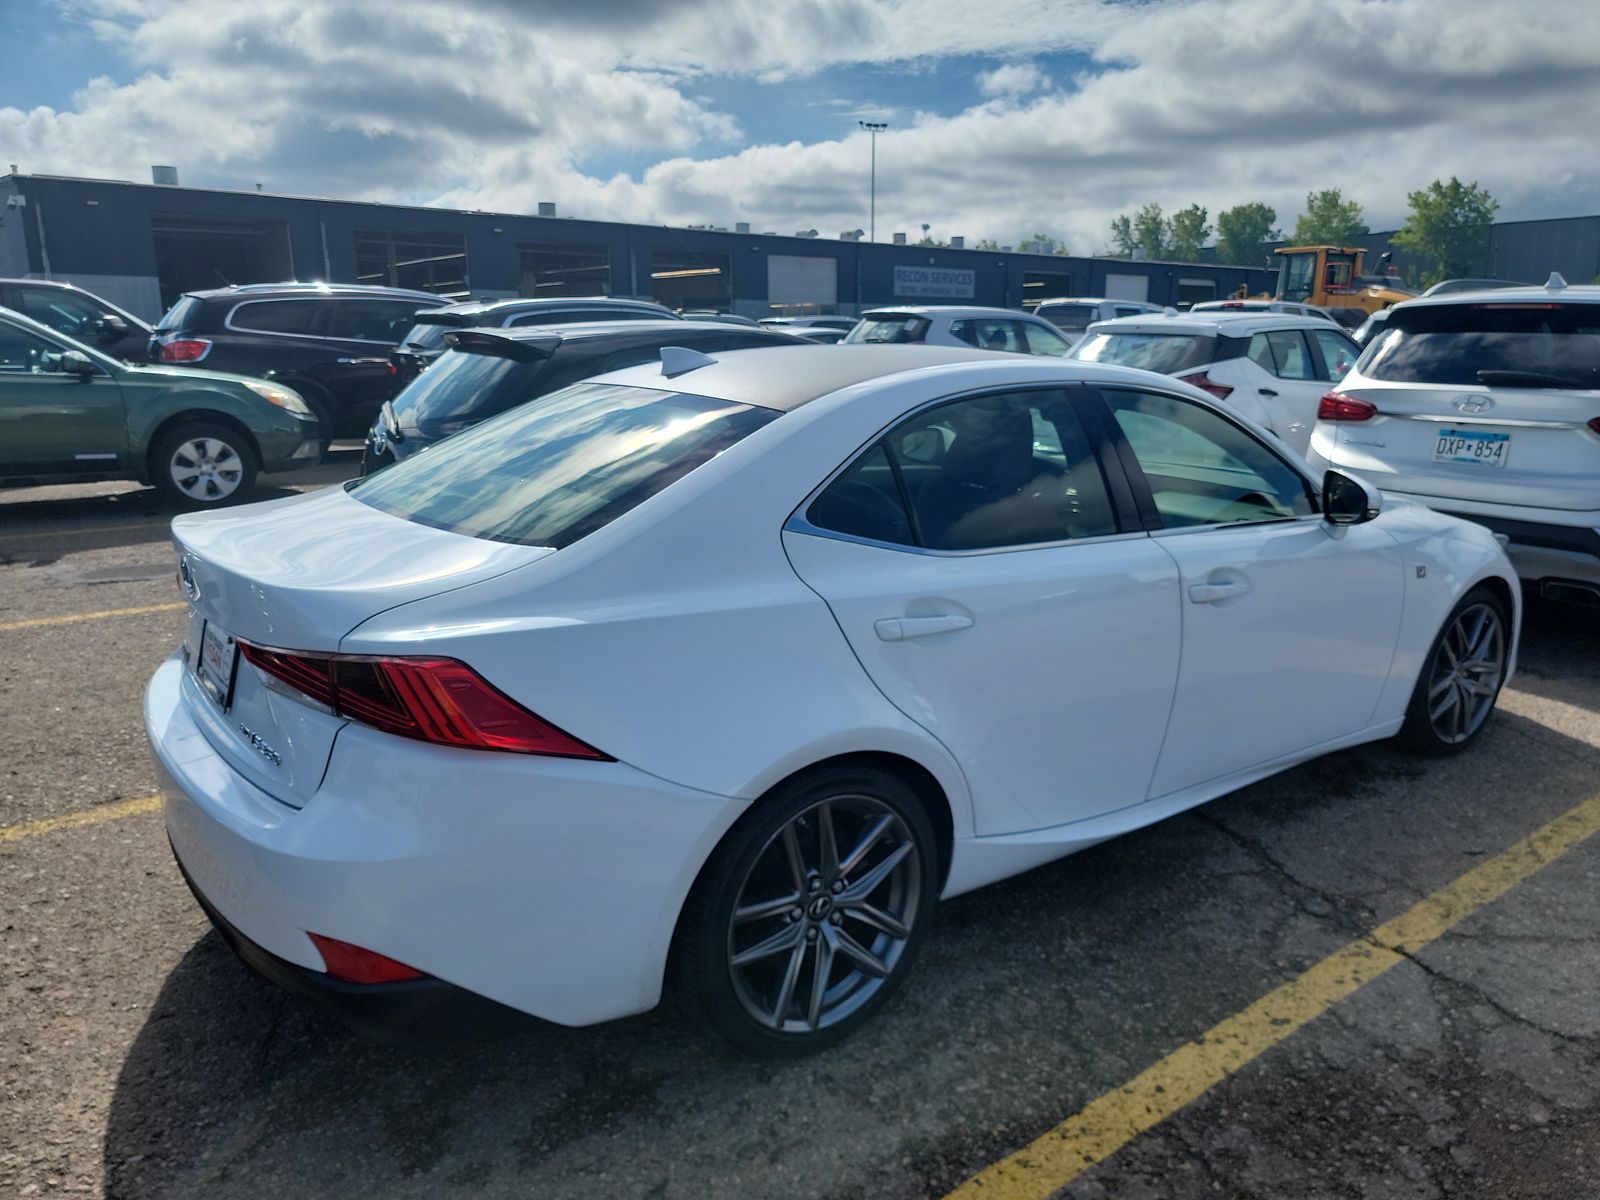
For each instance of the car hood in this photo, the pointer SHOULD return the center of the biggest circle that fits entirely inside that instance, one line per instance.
(157, 375)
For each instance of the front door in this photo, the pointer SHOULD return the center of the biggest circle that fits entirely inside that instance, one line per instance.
(53, 422)
(975, 562)
(1289, 623)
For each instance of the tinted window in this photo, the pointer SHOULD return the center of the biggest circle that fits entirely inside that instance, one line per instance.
(1339, 353)
(1122, 310)
(572, 316)
(69, 312)
(273, 316)
(23, 353)
(989, 471)
(181, 315)
(369, 320)
(1165, 353)
(888, 328)
(1202, 468)
(464, 387)
(1538, 344)
(425, 337)
(989, 333)
(1073, 317)
(1040, 340)
(549, 472)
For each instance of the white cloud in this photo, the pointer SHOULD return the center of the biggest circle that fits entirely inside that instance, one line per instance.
(495, 105)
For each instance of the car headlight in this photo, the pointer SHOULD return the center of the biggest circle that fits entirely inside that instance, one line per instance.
(281, 396)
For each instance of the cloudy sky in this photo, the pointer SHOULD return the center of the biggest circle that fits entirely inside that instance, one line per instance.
(1006, 117)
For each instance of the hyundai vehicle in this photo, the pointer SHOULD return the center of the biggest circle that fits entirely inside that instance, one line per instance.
(483, 372)
(1074, 314)
(80, 315)
(1001, 329)
(424, 341)
(1272, 368)
(1486, 405)
(328, 342)
(70, 414)
(722, 670)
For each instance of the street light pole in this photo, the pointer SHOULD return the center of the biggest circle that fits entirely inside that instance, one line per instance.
(874, 128)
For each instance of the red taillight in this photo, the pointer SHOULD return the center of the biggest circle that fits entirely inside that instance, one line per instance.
(352, 964)
(1594, 424)
(1206, 384)
(184, 350)
(1336, 406)
(439, 700)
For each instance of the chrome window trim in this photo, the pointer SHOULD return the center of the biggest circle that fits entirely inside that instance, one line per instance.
(227, 321)
(798, 524)
(1510, 422)
(1179, 531)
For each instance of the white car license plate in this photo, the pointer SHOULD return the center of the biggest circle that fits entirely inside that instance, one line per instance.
(213, 665)
(1470, 446)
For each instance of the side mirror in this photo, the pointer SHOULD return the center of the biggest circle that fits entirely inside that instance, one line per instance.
(1346, 500)
(75, 362)
(111, 327)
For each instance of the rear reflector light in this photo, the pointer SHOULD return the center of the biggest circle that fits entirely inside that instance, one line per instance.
(184, 350)
(352, 964)
(1336, 406)
(438, 700)
(1206, 384)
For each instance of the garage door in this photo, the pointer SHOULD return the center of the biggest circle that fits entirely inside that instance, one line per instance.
(1127, 287)
(802, 279)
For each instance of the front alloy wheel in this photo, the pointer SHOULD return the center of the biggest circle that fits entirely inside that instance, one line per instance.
(206, 470)
(1461, 679)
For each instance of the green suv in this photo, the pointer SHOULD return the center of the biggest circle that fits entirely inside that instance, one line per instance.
(69, 414)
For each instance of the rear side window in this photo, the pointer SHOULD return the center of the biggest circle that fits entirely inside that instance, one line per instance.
(369, 320)
(888, 327)
(181, 315)
(274, 316)
(1164, 353)
(552, 471)
(1510, 344)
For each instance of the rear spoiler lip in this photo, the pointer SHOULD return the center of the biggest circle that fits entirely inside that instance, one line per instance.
(493, 341)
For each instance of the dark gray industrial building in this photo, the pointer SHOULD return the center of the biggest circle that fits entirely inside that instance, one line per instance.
(142, 245)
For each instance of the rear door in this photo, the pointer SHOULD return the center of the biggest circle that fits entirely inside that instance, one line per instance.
(52, 422)
(1489, 401)
(361, 331)
(980, 564)
(1281, 373)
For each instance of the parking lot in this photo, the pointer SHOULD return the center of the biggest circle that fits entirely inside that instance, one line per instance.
(1227, 956)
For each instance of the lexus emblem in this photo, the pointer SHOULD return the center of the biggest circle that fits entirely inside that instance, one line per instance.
(1472, 404)
(186, 579)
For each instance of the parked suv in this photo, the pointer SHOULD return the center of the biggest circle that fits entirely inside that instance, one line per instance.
(1272, 368)
(1002, 329)
(482, 372)
(1486, 405)
(329, 342)
(1076, 313)
(424, 342)
(70, 414)
(1288, 308)
(80, 315)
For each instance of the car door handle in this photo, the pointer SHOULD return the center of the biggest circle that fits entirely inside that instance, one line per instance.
(1210, 593)
(898, 629)
(1266, 392)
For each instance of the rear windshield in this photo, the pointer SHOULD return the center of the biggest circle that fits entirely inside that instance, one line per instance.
(430, 336)
(1165, 353)
(1076, 317)
(462, 386)
(549, 472)
(1506, 344)
(180, 314)
(888, 327)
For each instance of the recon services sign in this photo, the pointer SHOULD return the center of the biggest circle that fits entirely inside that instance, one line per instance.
(939, 282)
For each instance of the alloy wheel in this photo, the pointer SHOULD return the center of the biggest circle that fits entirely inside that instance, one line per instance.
(824, 915)
(1466, 673)
(206, 469)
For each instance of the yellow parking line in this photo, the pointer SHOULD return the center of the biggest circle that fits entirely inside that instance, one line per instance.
(1111, 1121)
(98, 815)
(103, 614)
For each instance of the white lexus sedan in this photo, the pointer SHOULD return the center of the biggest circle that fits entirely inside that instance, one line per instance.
(720, 672)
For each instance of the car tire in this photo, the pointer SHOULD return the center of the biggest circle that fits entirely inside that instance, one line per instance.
(1461, 677)
(770, 906)
(203, 464)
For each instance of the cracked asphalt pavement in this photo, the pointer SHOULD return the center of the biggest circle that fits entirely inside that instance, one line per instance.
(138, 1059)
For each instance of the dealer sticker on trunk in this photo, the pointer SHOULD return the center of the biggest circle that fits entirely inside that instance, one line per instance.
(1472, 446)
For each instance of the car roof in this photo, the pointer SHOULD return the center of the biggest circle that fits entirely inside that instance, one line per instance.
(588, 330)
(944, 310)
(1097, 300)
(1568, 294)
(1212, 322)
(534, 303)
(239, 291)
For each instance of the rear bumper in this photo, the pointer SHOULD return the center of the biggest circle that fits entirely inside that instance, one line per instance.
(550, 886)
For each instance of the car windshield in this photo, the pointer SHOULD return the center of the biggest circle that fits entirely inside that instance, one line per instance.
(1165, 353)
(426, 336)
(1507, 343)
(464, 386)
(552, 471)
(1073, 317)
(888, 327)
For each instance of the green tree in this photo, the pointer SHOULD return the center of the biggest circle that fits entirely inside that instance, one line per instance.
(1189, 230)
(1122, 239)
(1329, 220)
(1448, 228)
(987, 244)
(1035, 243)
(1241, 232)
(1152, 231)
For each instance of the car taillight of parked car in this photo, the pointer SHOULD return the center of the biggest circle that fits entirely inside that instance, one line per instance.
(1336, 406)
(184, 350)
(1594, 424)
(1206, 384)
(438, 700)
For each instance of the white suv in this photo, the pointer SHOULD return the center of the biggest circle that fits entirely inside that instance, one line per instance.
(1274, 369)
(1002, 329)
(1074, 314)
(1486, 405)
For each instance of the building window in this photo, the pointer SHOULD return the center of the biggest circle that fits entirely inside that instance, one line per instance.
(193, 253)
(1044, 285)
(692, 280)
(428, 262)
(1194, 291)
(550, 269)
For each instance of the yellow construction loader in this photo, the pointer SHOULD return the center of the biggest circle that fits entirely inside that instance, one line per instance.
(1330, 276)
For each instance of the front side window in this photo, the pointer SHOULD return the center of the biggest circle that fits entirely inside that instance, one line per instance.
(552, 471)
(888, 327)
(1339, 353)
(274, 316)
(369, 320)
(1202, 468)
(1040, 340)
(983, 472)
(990, 334)
(69, 313)
(1507, 344)
(24, 353)
(1164, 353)
(1291, 354)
